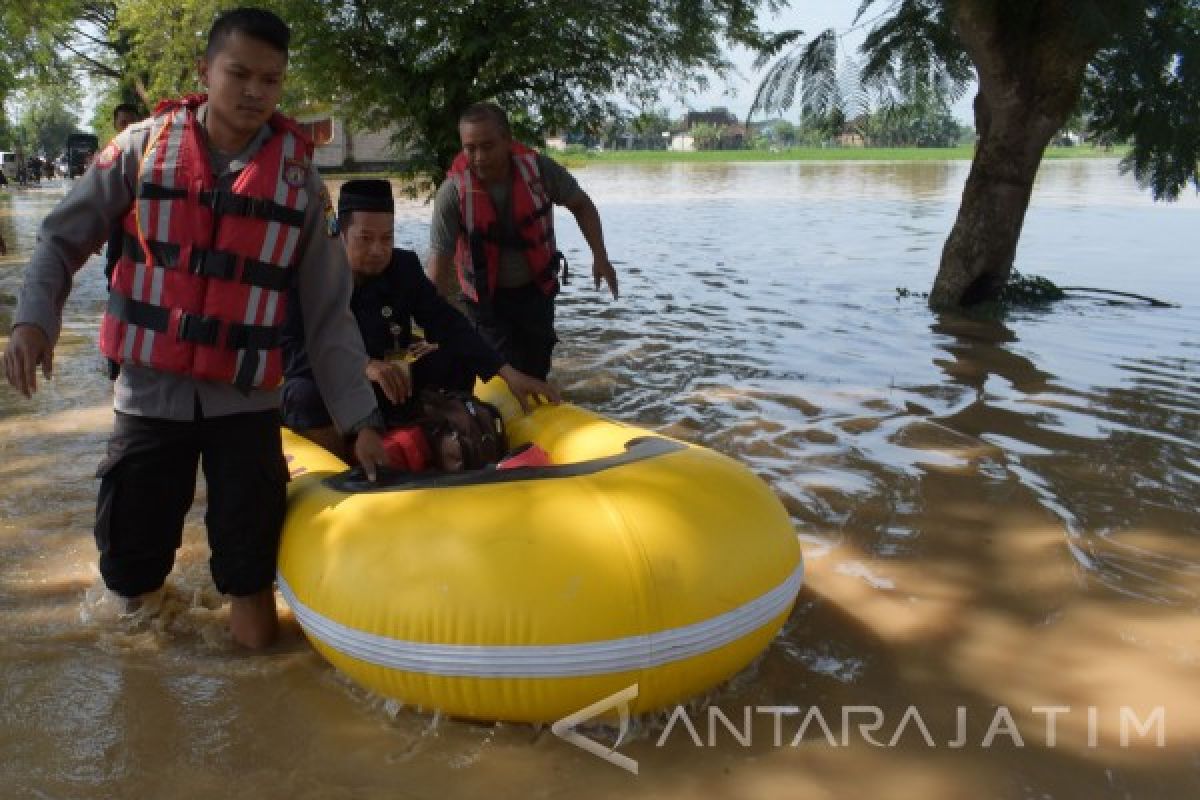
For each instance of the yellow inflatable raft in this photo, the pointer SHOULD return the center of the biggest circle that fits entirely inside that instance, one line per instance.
(528, 594)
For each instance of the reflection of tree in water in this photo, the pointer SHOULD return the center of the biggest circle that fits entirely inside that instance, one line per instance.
(1119, 465)
(931, 180)
(979, 351)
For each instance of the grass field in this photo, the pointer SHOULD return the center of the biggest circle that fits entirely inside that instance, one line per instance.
(577, 158)
(963, 153)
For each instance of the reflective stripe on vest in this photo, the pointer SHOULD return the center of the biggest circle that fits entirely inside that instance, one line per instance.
(200, 288)
(478, 238)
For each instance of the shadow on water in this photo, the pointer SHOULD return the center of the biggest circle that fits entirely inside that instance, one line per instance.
(1126, 491)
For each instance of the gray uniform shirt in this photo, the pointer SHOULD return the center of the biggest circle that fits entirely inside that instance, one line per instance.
(80, 224)
(561, 188)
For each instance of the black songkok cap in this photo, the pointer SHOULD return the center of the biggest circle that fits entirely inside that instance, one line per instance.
(366, 195)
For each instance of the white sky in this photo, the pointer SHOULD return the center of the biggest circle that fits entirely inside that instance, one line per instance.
(812, 17)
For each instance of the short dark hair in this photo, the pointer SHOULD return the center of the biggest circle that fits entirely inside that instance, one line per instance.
(129, 108)
(478, 112)
(257, 23)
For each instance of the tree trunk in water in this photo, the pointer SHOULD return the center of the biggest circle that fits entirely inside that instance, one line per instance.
(978, 255)
(1030, 70)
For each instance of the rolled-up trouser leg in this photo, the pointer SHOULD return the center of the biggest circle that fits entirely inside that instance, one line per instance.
(147, 484)
(247, 485)
(530, 316)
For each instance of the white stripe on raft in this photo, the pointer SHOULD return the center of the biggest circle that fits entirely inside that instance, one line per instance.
(549, 661)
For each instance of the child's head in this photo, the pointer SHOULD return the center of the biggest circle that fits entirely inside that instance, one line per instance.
(243, 68)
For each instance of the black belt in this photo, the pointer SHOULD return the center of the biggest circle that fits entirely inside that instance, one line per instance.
(212, 264)
(194, 328)
(224, 202)
(165, 254)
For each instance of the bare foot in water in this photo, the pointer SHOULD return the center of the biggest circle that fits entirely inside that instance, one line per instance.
(253, 620)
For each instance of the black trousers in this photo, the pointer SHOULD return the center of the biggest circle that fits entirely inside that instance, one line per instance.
(519, 324)
(148, 482)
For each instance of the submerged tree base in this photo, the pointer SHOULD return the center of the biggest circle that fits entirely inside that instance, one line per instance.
(1029, 290)
(1032, 291)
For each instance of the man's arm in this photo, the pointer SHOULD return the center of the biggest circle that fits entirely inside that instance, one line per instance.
(68, 236)
(588, 219)
(445, 325)
(443, 236)
(441, 272)
(331, 338)
(76, 228)
(334, 345)
(564, 190)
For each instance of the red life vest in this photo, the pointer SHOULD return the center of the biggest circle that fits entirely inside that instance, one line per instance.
(201, 285)
(479, 237)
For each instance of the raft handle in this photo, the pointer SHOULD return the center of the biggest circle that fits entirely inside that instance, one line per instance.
(393, 480)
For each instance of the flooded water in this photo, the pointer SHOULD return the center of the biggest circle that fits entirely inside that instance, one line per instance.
(1000, 519)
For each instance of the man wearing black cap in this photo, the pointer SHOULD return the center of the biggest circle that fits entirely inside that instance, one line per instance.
(391, 292)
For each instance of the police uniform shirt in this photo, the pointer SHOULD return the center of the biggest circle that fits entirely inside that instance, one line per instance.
(81, 223)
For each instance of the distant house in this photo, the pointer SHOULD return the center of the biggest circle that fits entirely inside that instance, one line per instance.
(850, 139)
(339, 146)
(852, 134)
(733, 132)
(719, 116)
(683, 142)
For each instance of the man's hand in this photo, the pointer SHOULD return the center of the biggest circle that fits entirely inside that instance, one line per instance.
(602, 270)
(588, 219)
(28, 348)
(525, 386)
(394, 377)
(418, 349)
(368, 450)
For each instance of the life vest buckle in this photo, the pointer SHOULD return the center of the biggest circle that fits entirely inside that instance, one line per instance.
(198, 329)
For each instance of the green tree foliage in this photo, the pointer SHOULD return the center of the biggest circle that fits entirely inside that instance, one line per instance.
(48, 115)
(649, 127)
(163, 48)
(28, 55)
(414, 63)
(138, 51)
(1144, 87)
(784, 133)
(706, 136)
(554, 64)
(915, 125)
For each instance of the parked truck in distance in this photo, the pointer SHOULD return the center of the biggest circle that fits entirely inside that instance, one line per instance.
(81, 148)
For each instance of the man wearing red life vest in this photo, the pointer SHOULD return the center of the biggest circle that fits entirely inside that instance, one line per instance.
(493, 221)
(222, 214)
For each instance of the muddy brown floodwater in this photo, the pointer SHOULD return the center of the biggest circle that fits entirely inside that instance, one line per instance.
(1000, 519)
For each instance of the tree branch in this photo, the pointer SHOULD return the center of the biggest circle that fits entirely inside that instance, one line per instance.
(98, 67)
